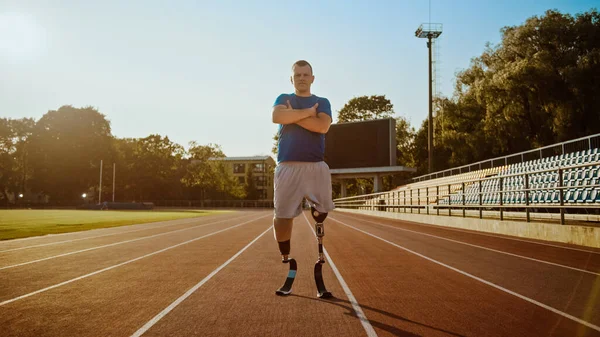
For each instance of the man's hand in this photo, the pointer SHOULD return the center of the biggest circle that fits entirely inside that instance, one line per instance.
(319, 124)
(285, 114)
(313, 109)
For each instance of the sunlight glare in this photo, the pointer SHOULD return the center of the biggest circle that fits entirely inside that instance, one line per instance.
(21, 37)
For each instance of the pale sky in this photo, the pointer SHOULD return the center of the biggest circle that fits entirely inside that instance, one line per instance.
(209, 71)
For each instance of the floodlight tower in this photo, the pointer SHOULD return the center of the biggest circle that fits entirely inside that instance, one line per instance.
(430, 31)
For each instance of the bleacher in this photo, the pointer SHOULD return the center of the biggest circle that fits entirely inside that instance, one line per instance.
(556, 183)
(531, 182)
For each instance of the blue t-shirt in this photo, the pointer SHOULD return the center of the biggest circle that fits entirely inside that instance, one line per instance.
(295, 142)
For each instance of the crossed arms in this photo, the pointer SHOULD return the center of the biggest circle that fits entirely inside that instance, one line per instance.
(310, 118)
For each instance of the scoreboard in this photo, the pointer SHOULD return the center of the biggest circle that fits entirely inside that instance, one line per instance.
(361, 144)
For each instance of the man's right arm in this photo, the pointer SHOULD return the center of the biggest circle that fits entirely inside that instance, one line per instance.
(285, 114)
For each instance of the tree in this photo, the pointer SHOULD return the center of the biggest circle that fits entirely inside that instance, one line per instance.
(65, 151)
(275, 143)
(538, 86)
(125, 156)
(155, 168)
(366, 108)
(206, 177)
(14, 169)
(250, 186)
(405, 142)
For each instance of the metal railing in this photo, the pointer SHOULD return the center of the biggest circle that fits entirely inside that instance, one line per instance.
(579, 144)
(490, 195)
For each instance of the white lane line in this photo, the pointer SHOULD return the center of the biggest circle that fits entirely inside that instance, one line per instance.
(481, 247)
(112, 244)
(188, 293)
(103, 235)
(494, 236)
(357, 309)
(124, 263)
(556, 311)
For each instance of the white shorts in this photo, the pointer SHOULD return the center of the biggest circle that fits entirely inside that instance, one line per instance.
(295, 181)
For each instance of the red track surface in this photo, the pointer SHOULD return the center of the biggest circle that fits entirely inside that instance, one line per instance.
(208, 278)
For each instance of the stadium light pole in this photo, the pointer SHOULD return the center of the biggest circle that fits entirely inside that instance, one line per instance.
(430, 31)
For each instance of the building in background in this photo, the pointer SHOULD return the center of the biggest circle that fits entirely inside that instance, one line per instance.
(262, 168)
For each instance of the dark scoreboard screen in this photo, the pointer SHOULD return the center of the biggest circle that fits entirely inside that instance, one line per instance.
(361, 144)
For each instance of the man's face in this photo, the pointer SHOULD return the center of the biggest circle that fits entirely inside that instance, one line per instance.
(302, 78)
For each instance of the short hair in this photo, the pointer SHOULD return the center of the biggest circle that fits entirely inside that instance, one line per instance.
(302, 63)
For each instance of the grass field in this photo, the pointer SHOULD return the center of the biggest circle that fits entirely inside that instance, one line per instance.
(16, 224)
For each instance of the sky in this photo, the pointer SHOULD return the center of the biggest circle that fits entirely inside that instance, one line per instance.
(209, 71)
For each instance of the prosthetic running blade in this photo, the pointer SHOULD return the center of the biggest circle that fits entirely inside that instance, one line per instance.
(321, 290)
(286, 289)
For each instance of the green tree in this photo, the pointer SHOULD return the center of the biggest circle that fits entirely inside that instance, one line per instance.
(125, 155)
(405, 142)
(65, 151)
(366, 108)
(275, 142)
(250, 186)
(156, 167)
(538, 86)
(209, 178)
(14, 170)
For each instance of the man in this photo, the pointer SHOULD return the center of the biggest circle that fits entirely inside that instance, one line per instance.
(301, 171)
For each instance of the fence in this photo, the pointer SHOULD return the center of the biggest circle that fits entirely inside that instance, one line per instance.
(562, 189)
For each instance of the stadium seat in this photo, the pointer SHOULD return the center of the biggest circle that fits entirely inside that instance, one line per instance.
(568, 195)
(546, 197)
(583, 184)
(586, 182)
(510, 198)
(586, 173)
(582, 197)
(574, 196)
(594, 196)
(555, 198)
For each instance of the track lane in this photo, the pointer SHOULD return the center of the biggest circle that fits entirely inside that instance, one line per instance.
(30, 278)
(240, 300)
(118, 301)
(400, 293)
(586, 258)
(575, 300)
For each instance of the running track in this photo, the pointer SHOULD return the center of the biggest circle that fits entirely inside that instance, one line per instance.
(216, 276)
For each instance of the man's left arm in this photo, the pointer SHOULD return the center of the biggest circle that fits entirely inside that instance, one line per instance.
(321, 122)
